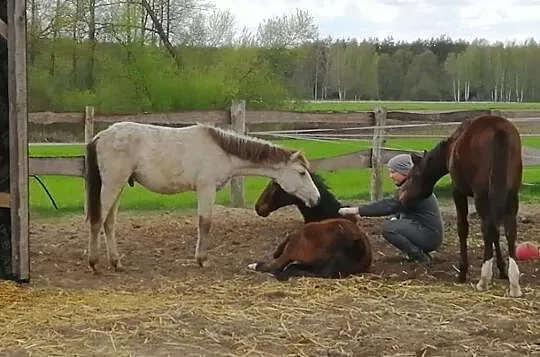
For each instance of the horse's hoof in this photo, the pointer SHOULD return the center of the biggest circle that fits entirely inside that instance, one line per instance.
(118, 267)
(481, 286)
(92, 264)
(515, 292)
(461, 278)
(253, 266)
(115, 264)
(202, 261)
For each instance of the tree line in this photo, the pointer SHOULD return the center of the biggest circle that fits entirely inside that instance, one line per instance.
(166, 55)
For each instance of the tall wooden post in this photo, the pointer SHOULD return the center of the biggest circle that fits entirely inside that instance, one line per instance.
(238, 124)
(18, 139)
(379, 122)
(5, 217)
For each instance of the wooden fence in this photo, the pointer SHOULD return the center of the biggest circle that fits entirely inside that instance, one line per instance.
(238, 119)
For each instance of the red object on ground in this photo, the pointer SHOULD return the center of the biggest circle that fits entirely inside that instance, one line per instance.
(527, 251)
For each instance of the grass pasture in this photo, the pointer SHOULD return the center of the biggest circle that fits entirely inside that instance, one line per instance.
(348, 184)
(369, 105)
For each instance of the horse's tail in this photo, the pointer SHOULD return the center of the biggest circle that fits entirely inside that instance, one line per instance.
(93, 184)
(498, 180)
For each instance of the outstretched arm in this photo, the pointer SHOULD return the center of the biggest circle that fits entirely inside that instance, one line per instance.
(382, 207)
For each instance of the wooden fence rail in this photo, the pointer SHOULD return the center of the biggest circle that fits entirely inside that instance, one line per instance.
(238, 119)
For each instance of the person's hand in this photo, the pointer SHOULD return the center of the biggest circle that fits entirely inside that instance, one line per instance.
(345, 211)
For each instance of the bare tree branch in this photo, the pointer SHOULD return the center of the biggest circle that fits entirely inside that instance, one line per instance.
(161, 32)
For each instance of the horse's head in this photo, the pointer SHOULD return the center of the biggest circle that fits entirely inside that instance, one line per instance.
(420, 180)
(295, 179)
(426, 171)
(272, 198)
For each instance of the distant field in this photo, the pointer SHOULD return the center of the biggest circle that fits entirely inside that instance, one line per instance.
(348, 185)
(408, 105)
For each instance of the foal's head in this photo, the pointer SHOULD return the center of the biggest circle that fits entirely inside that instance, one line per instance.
(274, 197)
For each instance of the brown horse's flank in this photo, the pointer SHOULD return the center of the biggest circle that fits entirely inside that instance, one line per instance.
(332, 248)
(483, 158)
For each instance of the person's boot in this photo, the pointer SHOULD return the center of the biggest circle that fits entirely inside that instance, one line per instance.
(419, 257)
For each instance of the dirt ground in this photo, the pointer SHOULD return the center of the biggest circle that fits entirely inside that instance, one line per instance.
(163, 304)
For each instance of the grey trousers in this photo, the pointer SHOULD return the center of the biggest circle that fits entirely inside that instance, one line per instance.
(411, 238)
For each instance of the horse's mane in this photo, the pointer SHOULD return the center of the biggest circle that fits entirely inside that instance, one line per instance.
(461, 128)
(324, 189)
(250, 148)
(441, 149)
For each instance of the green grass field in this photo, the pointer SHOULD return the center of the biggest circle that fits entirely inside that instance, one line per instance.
(348, 185)
(408, 105)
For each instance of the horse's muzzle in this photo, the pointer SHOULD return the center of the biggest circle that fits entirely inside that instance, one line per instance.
(314, 202)
(262, 211)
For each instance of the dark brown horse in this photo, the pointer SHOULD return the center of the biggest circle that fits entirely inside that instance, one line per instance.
(483, 158)
(331, 248)
(274, 197)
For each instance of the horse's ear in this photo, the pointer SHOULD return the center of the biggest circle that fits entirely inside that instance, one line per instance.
(296, 155)
(416, 158)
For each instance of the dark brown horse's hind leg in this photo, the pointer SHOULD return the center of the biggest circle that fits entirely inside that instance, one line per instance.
(490, 233)
(500, 261)
(462, 211)
(296, 269)
(510, 230)
(277, 265)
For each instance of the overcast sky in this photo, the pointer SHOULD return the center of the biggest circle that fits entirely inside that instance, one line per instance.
(403, 19)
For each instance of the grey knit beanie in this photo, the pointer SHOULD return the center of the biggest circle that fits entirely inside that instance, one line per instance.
(401, 163)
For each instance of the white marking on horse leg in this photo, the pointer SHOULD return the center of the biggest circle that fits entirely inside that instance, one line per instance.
(205, 203)
(252, 266)
(486, 275)
(513, 278)
(112, 246)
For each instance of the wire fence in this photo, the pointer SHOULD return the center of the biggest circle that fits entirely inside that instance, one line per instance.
(327, 135)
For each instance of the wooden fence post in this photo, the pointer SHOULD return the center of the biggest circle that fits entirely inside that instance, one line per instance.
(88, 135)
(18, 139)
(238, 124)
(88, 124)
(379, 121)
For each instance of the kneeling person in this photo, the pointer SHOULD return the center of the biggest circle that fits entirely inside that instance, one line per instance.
(415, 230)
